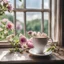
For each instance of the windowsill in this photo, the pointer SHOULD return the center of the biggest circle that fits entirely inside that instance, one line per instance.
(6, 57)
(4, 41)
(5, 44)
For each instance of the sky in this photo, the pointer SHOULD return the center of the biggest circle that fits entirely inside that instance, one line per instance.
(34, 4)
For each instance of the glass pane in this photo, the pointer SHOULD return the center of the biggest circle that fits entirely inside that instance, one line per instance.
(20, 22)
(19, 4)
(34, 4)
(33, 21)
(46, 4)
(6, 25)
(46, 18)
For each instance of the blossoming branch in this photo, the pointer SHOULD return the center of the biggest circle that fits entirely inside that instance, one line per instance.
(5, 6)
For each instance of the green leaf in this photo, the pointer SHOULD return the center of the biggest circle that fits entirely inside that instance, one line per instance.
(20, 0)
(51, 48)
(48, 49)
(11, 50)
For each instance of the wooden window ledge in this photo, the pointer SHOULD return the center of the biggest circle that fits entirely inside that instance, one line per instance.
(6, 57)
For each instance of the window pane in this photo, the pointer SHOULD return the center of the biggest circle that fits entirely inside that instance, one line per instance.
(19, 4)
(6, 25)
(46, 4)
(34, 4)
(33, 21)
(20, 22)
(46, 18)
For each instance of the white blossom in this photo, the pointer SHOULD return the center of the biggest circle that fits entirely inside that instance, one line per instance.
(5, 32)
(1, 29)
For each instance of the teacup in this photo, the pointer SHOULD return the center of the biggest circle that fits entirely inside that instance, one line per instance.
(39, 44)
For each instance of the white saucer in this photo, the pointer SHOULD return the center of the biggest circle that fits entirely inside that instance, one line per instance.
(34, 52)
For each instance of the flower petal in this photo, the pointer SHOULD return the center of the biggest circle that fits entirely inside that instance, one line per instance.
(30, 45)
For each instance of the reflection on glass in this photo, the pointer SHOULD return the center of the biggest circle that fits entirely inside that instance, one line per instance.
(46, 4)
(46, 18)
(20, 22)
(34, 4)
(33, 21)
(19, 4)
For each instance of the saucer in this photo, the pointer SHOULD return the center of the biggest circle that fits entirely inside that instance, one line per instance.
(34, 52)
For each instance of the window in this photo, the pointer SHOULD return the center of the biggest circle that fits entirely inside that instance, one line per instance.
(33, 15)
(36, 15)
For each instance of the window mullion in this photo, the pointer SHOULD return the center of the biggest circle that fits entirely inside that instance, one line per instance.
(50, 20)
(14, 17)
(42, 22)
(32, 10)
(55, 19)
(24, 17)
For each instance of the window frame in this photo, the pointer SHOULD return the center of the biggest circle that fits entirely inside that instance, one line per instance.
(34, 10)
(37, 10)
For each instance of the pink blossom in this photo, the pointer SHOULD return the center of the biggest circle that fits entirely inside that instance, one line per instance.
(9, 7)
(34, 33)
(22, 40)
(0, 0)
(9, 25)
(5, 2)
(18, 26)
(30, 32)
(30, 43)
(5, 20)
(30, 40)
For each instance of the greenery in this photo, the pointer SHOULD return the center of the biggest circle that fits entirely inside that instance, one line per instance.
(20, 0)
(7, 16)
(4, 31)
(35, 25)
(5, 6)
(14, 40)
(19, 40)
(52, 48)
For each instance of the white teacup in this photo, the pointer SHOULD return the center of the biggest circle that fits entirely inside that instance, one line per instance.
(39, 44)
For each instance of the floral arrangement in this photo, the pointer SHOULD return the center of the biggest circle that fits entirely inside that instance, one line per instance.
(6, 28)
(22, 41)
(5, 6)
(5, 25)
